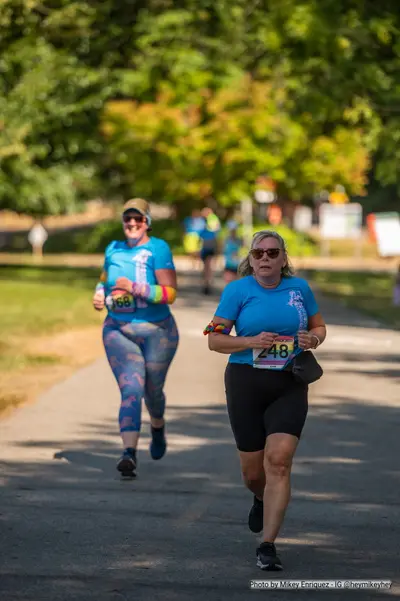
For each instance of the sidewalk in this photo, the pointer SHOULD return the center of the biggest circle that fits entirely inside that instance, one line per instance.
(72, 531)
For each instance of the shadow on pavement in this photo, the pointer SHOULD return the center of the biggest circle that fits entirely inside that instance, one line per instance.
(179, 530)
(72, 530)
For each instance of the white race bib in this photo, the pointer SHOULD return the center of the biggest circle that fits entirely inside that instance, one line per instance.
(276, 357)
(120, 302)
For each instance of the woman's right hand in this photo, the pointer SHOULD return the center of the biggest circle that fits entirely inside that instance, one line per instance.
(99, 300)
(262, 340)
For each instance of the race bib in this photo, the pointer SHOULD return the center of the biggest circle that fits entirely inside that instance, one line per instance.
(280, 353)
(121, 302)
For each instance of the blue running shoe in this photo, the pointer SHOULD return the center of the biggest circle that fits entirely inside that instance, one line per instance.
(158, 444)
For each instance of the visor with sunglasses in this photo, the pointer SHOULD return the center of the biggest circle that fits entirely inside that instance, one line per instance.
(258, 253)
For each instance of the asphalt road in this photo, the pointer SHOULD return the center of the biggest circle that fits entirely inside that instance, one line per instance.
(72, 530)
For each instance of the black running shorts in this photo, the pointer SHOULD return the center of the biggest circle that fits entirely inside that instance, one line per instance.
(263, 402)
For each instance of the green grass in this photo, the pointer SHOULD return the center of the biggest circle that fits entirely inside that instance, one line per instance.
(370, 293)
(38, 301)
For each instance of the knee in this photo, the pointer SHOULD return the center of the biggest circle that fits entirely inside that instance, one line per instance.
(252, 474)
(277, 463)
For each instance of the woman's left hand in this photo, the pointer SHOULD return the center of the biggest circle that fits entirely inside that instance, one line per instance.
(123, 283)
(305, 340)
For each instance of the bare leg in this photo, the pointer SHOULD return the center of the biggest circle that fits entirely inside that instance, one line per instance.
(278, 458)
(253, 471)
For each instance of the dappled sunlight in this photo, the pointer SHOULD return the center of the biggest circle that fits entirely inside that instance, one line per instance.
(312, 496)
(311, 538)
(182, 523)
(328, 460)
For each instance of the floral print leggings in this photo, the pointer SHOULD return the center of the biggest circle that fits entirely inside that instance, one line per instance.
(139, 355)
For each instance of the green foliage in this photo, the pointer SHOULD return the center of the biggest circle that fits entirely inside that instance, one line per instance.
(183, 154)
(49, 107)
(94, 239)
(181, 101)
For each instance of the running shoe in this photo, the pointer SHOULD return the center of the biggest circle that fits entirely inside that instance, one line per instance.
(267, 559)
(158, 444)
(256, 516)
(127, 465)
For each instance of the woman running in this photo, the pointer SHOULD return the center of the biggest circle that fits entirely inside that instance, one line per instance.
(139, 334)
(276, 318)
(231, 251)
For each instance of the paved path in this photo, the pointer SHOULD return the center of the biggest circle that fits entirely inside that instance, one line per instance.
(71, 530)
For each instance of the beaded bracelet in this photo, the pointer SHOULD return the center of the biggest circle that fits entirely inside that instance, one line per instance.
(220, 328)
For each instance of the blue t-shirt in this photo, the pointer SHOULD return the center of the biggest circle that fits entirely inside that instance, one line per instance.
(138, 264)
(254, 309)
(209, 240)
(231, 253)
(193, 224)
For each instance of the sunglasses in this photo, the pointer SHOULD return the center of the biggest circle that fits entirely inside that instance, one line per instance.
(258, 253)
(137, 218)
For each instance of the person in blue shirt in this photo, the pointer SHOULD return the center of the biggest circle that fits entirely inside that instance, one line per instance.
(209, 246)
(140, 336)
(232, 246)
(276, 317)
(193, 226)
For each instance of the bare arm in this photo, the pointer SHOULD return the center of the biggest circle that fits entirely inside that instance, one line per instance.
(166, 277)
(227, 344)
(316, 327)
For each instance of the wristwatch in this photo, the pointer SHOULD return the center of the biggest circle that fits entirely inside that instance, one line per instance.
(317, 339)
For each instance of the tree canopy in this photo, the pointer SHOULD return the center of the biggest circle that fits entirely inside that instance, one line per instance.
(185, 100)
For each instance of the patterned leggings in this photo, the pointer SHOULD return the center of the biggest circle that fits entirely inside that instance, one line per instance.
(139, 355)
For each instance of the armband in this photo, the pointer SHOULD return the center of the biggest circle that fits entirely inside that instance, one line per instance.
(163, 295)
(219, 328)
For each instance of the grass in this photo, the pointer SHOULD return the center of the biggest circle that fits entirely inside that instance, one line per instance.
(45, 300)
(37, 307)
(370, 293)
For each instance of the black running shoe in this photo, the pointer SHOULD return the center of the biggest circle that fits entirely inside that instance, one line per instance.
(158, 444)
(127, 465)
(267, 558)
(256, 516)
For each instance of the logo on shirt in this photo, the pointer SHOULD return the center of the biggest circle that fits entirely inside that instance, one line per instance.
(141, 259)
(296, 300)
(142, 256)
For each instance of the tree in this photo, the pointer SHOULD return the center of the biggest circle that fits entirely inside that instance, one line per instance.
(219, 145)
(49, 106)
(330, 68)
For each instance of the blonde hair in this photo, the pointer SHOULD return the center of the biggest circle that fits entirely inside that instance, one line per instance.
(245, 268)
